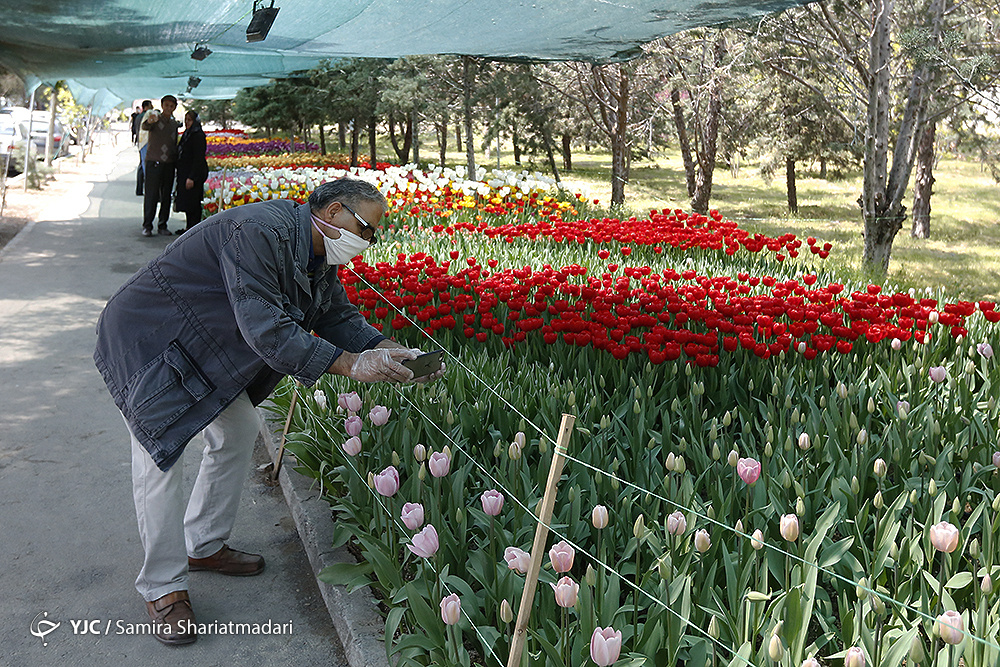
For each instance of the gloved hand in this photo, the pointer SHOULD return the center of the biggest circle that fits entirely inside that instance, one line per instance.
(381, 364)
(436, 375)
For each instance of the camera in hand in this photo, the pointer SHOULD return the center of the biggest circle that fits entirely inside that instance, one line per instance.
(425, 364)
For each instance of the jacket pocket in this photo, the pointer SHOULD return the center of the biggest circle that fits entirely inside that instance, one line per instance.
(163, 390)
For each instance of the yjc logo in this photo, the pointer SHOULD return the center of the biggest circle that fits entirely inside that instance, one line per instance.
(41, 627)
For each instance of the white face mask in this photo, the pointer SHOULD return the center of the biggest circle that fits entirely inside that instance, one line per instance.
(340, 250)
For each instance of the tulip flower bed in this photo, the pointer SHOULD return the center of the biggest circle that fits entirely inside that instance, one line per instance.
(234, 142)
(768, 466)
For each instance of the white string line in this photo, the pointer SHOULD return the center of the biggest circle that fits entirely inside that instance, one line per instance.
(570, 542)
(451, 355)
(403, 531)
(831, 573)
(545, 435)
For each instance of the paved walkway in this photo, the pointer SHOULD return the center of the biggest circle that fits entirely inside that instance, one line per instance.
(69, 546)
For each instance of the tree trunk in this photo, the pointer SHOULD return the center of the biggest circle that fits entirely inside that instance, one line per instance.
(682, 139)
(709, 139)
(49, 137)
(414, 122)
(822, 168)
(613, 102)
(567, 152)
(372, 157)
(342, 135)
(468, 76)
(355, 136)
(458, 137)
(883, 190)
(621, 146)
(322, 139)
(517, 146)
(793, 195)
(547, 137)
(442, 132)
(923, 182)
(402, 152)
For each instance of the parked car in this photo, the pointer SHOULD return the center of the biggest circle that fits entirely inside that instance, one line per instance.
(39, 130)
(40, 133)
(12, 142)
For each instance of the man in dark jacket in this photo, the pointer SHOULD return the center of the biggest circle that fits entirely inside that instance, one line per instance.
(203, 334)
(158, 168)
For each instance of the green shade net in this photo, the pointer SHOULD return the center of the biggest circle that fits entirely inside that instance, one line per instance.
(115, 52)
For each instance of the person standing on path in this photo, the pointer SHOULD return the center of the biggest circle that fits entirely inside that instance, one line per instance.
(192, 170)
(139, 138)
(161, 156)
(200, 336)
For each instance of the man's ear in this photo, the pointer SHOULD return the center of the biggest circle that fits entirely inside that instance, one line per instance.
(332, 209)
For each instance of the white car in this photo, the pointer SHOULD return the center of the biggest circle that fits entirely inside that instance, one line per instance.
(12, 137)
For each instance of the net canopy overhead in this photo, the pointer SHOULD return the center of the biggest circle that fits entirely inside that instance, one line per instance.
(112, 52)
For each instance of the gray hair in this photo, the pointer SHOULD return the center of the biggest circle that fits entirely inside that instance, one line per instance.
(350, 191)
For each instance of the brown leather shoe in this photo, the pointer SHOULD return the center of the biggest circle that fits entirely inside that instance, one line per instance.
(229, 561)
(173, 619)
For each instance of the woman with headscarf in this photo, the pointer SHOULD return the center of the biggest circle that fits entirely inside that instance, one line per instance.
(192, 170)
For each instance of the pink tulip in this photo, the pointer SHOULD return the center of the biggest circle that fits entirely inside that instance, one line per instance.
(451, 609)
(702, 541)
(937, 373)
(353, 425)
(789, 527)
(352, 447)
(350, 402)
(412, 515)
(854, 657)
(748, 470)
(561, 554)
(379, 415)
(425, 543)
(985, 349)
(517, 559)
(387, 481)
(944, 537)
(996, 459)
(492, 502)
(439, 464)
(599, 517)
(566, 591)
(605, 645)
(950, 627)
(676, 523)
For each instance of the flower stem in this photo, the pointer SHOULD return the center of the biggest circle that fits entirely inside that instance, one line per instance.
(635, 597)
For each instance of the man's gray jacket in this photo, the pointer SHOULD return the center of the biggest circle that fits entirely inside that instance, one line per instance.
(227, 307)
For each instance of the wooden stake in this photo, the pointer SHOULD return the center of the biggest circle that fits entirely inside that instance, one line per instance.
(284, 433)
(541, 536)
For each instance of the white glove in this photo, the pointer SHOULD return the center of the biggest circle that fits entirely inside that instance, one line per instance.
(382, 365)
(436, 375)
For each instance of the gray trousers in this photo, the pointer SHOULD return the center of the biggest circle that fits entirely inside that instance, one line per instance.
(170, 529)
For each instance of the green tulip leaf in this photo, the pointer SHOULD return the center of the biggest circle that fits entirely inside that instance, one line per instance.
(960, 580)
(351, 575)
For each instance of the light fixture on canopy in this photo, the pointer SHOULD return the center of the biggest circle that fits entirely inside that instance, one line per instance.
(201, 52)
(263, 18)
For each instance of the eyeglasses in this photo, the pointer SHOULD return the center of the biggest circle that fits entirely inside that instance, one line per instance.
(367, 231)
